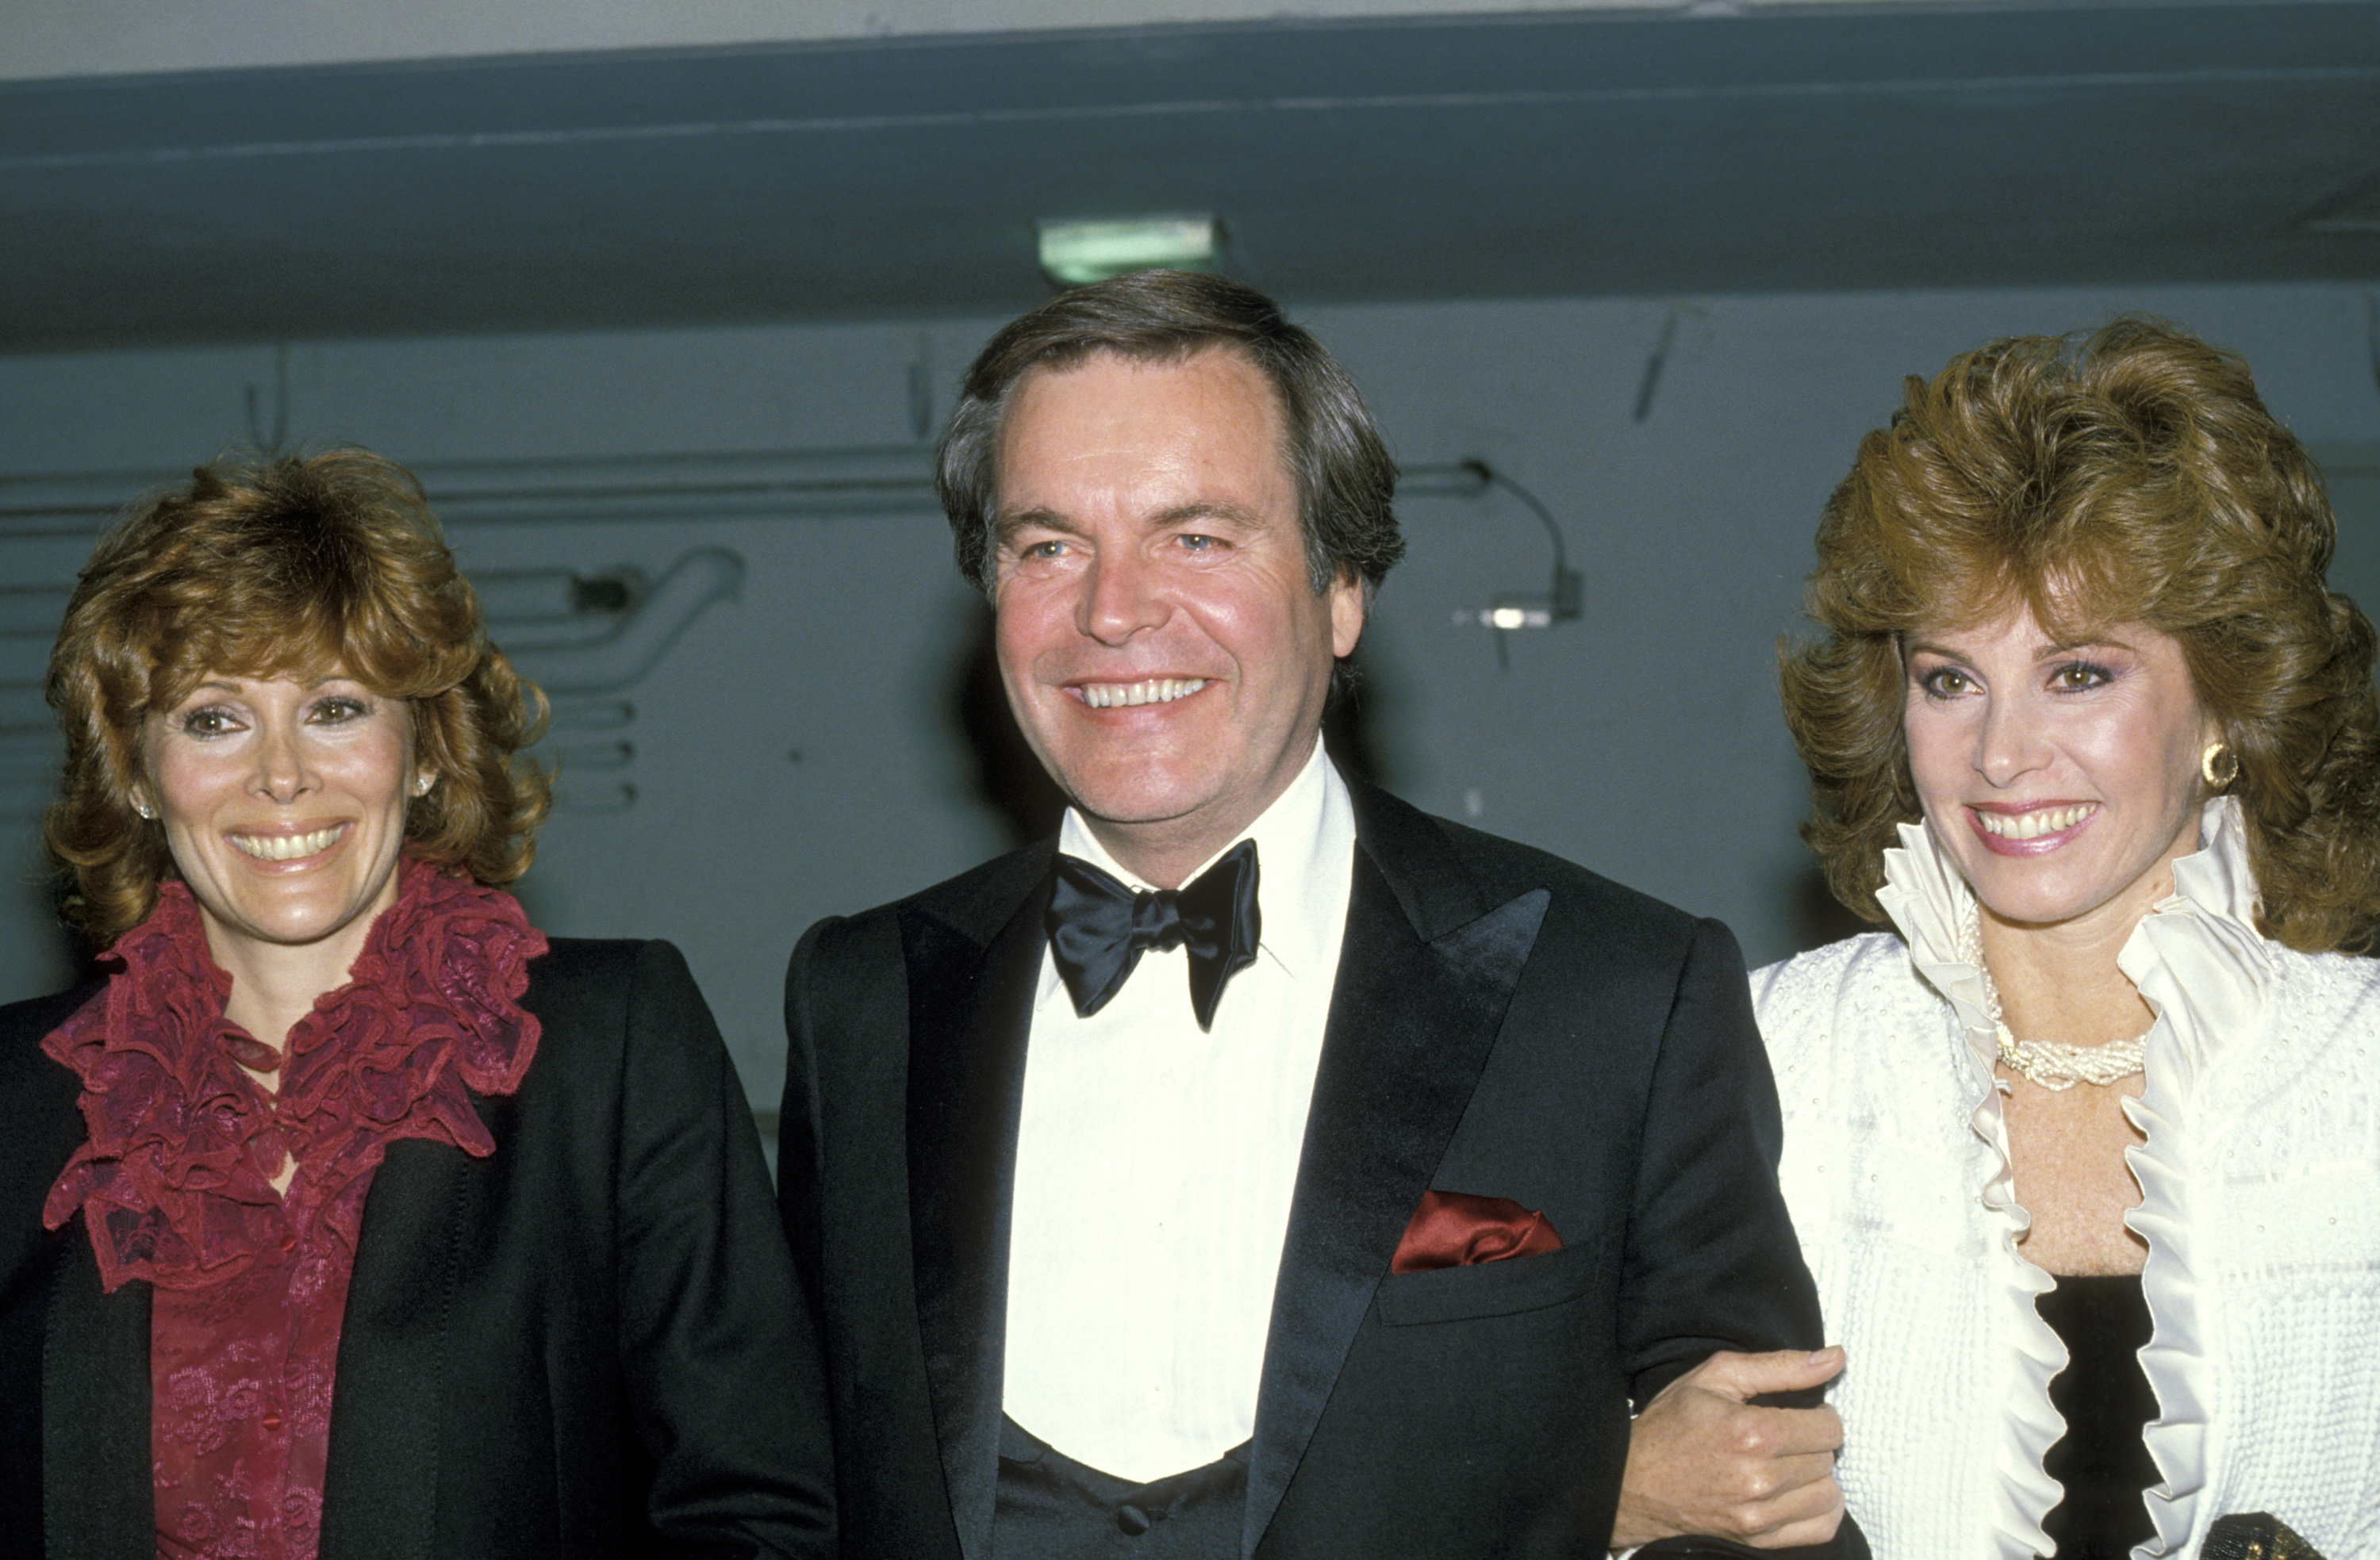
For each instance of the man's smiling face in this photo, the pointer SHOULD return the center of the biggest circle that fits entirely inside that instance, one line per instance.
(1162, 644)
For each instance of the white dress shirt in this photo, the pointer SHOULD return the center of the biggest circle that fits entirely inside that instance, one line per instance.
(1155, 1165)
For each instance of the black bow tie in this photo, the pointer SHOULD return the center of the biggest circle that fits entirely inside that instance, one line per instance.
(1097, 928)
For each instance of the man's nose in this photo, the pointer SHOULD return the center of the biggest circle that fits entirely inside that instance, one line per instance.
(1121, 597)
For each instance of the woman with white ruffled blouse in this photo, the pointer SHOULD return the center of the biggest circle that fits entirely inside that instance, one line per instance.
(2095, 1140)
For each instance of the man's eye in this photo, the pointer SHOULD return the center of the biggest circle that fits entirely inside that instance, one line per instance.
(1042, 549)
(1193, 542)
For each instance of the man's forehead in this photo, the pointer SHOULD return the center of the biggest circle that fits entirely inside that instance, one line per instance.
(1182, 360)
(1256, 391)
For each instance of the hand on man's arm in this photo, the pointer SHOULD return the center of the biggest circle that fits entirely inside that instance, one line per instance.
(1703, 1459)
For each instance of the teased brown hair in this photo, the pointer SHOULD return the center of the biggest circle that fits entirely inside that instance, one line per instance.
(2126, 475)
(292, 564)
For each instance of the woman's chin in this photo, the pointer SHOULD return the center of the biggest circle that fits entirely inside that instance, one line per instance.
(269, 931)
(2042, 907)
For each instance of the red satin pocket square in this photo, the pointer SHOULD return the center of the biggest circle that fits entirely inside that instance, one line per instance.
(1456, 1230)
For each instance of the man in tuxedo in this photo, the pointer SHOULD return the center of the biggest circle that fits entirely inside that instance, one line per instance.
(1262, 1168)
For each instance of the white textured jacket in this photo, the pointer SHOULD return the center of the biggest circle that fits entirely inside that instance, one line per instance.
(2261, 1207)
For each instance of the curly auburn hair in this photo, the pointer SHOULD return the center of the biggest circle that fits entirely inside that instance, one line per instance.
(297, 565)
(2126, 475)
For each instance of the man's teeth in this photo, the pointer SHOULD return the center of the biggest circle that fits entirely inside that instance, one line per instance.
(287, 847)
(2033, 826)
(1157, 689)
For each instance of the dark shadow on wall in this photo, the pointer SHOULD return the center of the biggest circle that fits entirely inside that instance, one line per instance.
(1819, 918)
(1010, 781)
(1008, 777)
(50, 957)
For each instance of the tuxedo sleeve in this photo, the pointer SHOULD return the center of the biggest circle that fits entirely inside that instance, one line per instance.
(1712, 1263)
(719, 1349)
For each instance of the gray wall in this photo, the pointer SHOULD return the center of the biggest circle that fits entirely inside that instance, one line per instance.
(816, 740)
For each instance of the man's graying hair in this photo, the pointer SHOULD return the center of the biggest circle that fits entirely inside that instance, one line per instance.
(1344, 477)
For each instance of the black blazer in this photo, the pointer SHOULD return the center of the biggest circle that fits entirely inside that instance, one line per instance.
(1504, 1024)
(590, 1343)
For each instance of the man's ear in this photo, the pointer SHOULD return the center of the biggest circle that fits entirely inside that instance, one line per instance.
(1349, 600)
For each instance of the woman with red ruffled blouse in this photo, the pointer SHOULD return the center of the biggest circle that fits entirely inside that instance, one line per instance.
(348, 1215)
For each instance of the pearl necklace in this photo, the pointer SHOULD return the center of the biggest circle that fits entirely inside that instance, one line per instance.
(2050, 1063)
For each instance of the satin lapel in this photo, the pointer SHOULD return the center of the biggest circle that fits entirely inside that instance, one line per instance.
(385, 1404)
(98, 1498)
(1424, 980)
(970, 1014)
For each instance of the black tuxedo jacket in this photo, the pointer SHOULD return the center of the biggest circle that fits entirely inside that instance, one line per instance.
(590, 1343)
(1504, 1024)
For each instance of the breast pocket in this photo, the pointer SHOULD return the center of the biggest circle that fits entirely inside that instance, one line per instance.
(1489, 1288)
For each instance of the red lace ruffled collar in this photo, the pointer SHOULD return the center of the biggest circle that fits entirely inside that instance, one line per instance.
(173, 1183)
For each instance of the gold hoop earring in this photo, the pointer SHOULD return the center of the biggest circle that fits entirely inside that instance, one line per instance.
(2218, 766)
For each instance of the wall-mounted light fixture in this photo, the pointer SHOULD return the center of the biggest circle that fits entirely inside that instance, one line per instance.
(1075, 250)
(1510, 610)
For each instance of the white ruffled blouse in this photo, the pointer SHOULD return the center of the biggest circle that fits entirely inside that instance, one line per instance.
(2260, 1203)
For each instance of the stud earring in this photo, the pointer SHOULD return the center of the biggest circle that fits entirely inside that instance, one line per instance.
(143, 808)
(2218, 766)
(421, 784)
